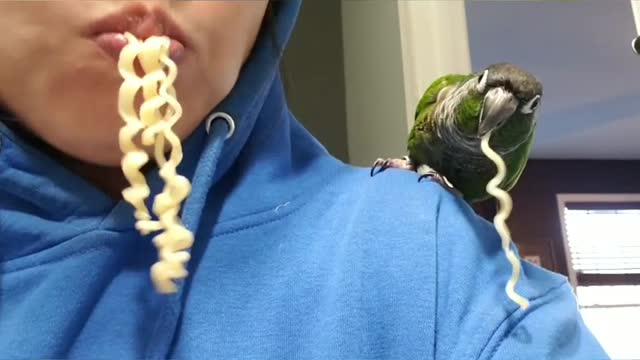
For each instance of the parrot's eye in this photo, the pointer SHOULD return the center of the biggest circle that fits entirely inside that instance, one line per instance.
(482, 81)
(531, 105)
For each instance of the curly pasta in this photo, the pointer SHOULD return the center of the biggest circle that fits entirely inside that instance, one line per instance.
(159, 111)
(500, 220)
(134, 158)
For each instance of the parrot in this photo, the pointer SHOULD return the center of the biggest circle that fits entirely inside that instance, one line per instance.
(455, 113)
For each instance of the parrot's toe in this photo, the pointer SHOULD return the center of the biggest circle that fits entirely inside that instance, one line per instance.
(428, 173)
(442, 181)
(384, 164)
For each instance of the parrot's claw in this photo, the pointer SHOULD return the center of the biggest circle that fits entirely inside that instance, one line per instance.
(428, 173)
(384, 164)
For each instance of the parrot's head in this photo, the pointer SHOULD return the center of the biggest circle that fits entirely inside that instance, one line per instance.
(509, 98)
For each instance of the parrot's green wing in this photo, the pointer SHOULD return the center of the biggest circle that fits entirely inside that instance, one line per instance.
(430, 96)
(517, 163)
(421, 145)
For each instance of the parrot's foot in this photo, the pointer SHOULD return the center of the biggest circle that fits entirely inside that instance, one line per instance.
(404, 163)
(426, 172)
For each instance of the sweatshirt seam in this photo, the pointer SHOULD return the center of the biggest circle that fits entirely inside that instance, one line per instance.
(58, 259)
(171, 310)
(435, 292)
(302, 200)
(96, 227)
(509, 331)
(19, 143)
(54, 259)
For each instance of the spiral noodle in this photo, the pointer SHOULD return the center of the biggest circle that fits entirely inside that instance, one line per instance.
(134, 158)
(158, 113)
(500, 220)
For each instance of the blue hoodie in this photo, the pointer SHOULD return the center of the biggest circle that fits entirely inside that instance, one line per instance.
(297, 255)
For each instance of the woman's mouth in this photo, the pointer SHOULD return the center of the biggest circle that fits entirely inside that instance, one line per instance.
(141, 22)
(112, 43)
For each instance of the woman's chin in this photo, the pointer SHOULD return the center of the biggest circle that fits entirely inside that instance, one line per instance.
(107, 158)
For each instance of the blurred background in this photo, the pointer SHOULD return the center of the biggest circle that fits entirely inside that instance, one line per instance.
(354, 71)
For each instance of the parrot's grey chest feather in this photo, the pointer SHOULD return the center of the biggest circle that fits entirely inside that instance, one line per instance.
(461, 153)
(457, 145)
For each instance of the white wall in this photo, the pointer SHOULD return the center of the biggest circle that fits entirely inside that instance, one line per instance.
(635, 5)
(434, 42)
(373, 80)
(392, 51)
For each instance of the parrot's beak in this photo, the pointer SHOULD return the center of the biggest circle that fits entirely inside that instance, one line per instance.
(499, 104)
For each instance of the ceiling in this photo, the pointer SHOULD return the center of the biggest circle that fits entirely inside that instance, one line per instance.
(581, 51)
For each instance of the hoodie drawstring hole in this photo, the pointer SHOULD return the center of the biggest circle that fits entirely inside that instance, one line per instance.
(226, 117)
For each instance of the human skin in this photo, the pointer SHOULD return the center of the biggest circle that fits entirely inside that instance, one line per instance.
(62, 86)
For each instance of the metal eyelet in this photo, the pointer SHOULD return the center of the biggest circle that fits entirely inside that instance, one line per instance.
(635, 45)
(226, 117)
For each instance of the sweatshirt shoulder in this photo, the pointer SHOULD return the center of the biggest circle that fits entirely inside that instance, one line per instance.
(393, 191)
(394, 200)
(448, 246)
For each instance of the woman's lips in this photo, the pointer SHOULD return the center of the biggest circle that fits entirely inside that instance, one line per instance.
(142, 21)
(112, 43)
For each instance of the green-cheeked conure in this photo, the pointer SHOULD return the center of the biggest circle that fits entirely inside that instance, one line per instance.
(453, 115)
